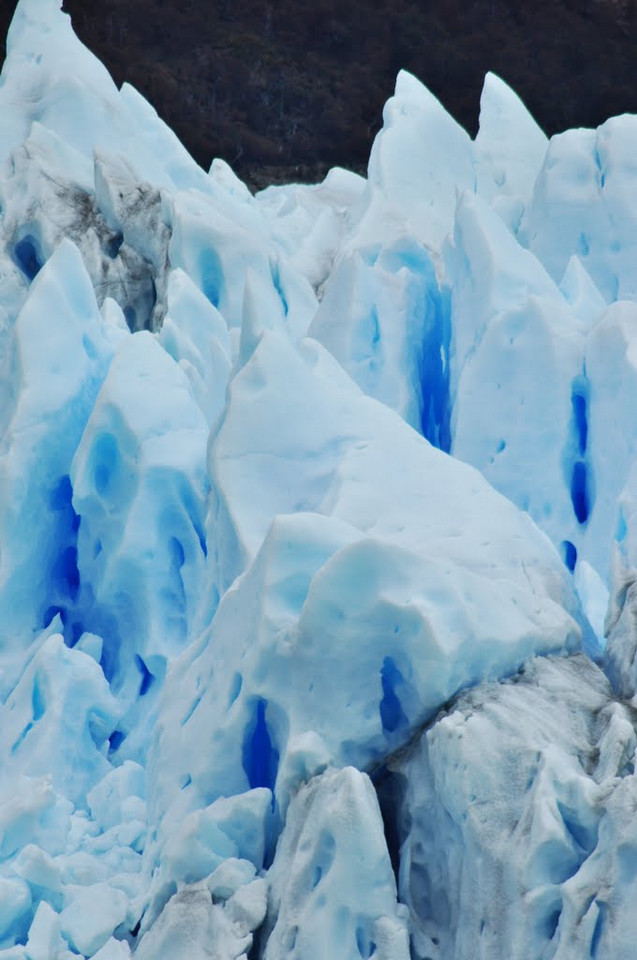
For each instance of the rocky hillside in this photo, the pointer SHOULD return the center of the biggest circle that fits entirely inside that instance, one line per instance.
(284, 90)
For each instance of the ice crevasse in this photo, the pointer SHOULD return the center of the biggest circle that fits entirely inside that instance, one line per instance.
(317, 535)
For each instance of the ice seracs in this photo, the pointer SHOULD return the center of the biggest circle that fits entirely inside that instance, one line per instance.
(419, 162)
(512, 329)
(331, 880)
(309, 504)
(58, 356)
(527, 850)
(510, 147)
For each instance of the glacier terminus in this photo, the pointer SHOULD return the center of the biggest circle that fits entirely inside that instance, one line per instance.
(318, 535)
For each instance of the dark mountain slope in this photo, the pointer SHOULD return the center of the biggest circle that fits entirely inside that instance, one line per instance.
(284, 90)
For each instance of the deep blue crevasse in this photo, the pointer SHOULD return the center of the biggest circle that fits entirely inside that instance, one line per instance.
(115, 740)
(260, 757)
(211, 275)
(580, 481)
(278, 286)
(579, 401)
(147, 677)
(434, 368)
(64, 574)
(392, 715)
(27, 256)
(579, 492)
(570, 554)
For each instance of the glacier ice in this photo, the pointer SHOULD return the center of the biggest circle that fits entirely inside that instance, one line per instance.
(139, 485)
(581, 205)
(510, 147)
(317, 535)
(321, 893)
(553, 783)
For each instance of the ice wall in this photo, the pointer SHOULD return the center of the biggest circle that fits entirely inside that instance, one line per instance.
(527, 853)
(311, 507)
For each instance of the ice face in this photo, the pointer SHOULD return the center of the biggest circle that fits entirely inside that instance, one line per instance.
(59, 352)
(512, 328)
(309, 502)
(583, 192)
(386, 320)
(140, 485)
(524, 847)
(331, 880)
(419, 162)
(510, 147)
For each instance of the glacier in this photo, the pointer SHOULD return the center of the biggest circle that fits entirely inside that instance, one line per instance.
(318, 535)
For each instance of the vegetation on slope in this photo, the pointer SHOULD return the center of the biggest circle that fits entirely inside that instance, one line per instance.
(285, 90)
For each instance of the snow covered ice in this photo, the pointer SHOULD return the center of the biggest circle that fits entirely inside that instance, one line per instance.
(318, 536)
